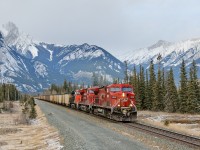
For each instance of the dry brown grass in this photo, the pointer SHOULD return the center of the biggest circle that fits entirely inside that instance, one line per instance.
(184, 123)
(23, 136)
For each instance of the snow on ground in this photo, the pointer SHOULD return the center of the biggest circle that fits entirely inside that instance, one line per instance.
(185, 123)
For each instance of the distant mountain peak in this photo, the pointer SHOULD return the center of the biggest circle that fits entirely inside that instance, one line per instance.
(159, 44)
(33, 65)
(10, 32)
(86, 46)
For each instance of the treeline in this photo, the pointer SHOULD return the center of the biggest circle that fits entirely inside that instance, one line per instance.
(158, 91)
(66, 87)
(99, 80)
(8, 92)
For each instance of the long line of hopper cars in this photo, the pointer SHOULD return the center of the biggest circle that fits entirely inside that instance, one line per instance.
(115, 101)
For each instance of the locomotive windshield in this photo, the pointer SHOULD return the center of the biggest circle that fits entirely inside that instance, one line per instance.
(115, 89)
(127, 89)
(91, 92)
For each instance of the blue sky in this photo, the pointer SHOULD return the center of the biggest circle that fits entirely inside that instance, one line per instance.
(116, 25)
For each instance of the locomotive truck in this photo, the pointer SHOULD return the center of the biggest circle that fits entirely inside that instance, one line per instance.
(115, 101)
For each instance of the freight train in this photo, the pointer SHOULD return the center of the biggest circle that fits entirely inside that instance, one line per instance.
(115, 101)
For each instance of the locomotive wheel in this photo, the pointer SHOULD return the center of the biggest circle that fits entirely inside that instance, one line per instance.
(91, 111)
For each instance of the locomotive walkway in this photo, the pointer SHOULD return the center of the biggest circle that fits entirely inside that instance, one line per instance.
(81, 131)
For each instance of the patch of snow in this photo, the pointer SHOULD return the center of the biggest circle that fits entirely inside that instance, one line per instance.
(28, 88)
(157, 118)
(23, 64)
(79, 53)
(50, 52)
(83, 74)
(40, 69)
(33, 50)
(34, 122)
(40, 85)
(54, 144)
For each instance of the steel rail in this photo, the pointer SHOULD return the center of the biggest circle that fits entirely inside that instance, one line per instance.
(183, 138)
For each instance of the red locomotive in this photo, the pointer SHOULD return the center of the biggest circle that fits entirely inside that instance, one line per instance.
(115, 101)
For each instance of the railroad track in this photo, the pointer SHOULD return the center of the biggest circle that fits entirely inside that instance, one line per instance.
(164, 133)
(186, 139)
(171, 135)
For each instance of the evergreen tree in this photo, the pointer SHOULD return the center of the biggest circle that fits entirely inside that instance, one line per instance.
(134, 83)
(126, 72)
(152, 81)
(163, 81)
(134, 78)
(158, 94)
(105, 82)
(33, 113)
(142, 87)
(196, 83)
(192, 102)
(82, 86)
(147, 103)
(1, 94)
(4, 91)
(138, 100)
(70, 88)
(101, 81)
(65, 86)
(115, 81)
(95, 79)
(171, 97)
(183, 88)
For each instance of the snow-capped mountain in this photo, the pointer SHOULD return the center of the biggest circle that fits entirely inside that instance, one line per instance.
(172, 55)
(33, 65)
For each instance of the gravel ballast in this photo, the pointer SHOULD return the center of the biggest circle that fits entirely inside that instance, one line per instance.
(82, 131)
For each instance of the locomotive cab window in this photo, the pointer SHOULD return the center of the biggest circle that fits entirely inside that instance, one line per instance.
(127, 89)
(77, 93)
(91, 92)
(115, 89)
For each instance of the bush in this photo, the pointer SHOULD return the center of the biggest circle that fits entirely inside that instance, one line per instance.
(33, 113)
(166, 122)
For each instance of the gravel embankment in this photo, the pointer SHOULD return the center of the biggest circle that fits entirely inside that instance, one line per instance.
(85, 132)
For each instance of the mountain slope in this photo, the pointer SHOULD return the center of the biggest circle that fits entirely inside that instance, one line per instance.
(33, 65)
(172, 55)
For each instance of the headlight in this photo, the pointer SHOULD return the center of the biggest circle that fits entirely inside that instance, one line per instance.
(123, 94)
(118, 105)
(131, 105)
